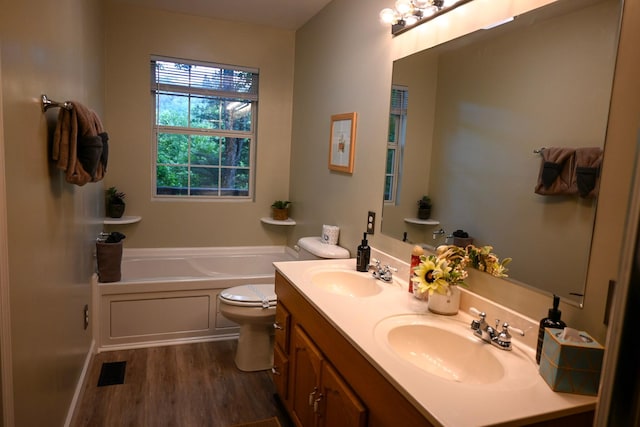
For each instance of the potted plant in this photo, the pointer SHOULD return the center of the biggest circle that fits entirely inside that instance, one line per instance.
(114, 202)
(280, 210)
(424, 207)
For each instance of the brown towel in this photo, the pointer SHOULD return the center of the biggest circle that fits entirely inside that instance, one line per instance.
(556, 172)
(587, 171)
(80, 145)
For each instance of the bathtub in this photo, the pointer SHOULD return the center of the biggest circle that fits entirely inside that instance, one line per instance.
(170, 295)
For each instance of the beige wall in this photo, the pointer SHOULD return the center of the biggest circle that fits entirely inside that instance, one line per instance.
(343, 64)
(133, 35)
(339, 43)
(53, 48)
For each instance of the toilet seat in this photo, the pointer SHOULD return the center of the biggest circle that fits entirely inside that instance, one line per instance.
(250, 296)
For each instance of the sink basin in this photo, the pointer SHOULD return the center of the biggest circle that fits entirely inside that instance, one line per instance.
(436, 349)
(346, 283)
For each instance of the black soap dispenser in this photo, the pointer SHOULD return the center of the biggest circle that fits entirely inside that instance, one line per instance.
(363, 255)
(552, 321)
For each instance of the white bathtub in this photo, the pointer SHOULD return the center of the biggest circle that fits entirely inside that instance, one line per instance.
(167, 296)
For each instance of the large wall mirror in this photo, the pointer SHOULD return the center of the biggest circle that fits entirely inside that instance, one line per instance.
(468, 117)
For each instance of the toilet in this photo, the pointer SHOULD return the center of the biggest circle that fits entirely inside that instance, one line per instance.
(253, 307)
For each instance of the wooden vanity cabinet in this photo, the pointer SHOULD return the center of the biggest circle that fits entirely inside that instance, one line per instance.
(329, 382)
(323, 380)
(320, 397)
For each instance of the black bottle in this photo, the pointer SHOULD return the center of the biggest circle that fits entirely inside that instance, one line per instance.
(363, 255)
(553, 321)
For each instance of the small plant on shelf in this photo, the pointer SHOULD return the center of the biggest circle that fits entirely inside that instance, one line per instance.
(424, 207)
(281, 210)
(114, 202)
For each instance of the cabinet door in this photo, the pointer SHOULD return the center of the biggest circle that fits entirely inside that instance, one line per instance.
(281, 327)
(305, 373)
(280, 372)
(339, 406)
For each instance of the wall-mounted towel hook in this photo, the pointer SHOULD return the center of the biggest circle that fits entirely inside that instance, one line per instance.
(538, 151)
(48, 103)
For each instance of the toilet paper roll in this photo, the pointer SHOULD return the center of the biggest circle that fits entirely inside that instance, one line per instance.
(330, 234)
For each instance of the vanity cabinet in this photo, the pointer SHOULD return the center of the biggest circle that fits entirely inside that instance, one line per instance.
(320, 397)
(323, 380)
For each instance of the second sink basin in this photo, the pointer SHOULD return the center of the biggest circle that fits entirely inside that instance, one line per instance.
(346, 283)
(439, 351)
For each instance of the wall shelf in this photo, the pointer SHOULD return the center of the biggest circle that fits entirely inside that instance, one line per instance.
(422, 221)
(267, 220)
(127, 219)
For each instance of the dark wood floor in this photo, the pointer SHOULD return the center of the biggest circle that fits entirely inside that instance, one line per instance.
(183, 385)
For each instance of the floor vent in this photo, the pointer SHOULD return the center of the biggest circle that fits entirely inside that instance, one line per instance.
(112, 373)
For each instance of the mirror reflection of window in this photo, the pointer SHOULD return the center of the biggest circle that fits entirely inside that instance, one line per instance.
(395, 142)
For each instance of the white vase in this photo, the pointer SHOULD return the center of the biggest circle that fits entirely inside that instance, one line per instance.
(445, 304)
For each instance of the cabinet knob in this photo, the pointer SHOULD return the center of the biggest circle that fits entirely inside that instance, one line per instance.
(276, 325)
(316, 403)
(274, 371)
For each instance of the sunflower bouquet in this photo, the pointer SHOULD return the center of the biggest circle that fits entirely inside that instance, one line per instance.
(437, 273)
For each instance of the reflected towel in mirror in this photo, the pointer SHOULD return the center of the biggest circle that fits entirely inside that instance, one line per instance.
(587, 173)
(556, 172)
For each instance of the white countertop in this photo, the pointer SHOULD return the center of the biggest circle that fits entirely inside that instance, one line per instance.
(522, 395)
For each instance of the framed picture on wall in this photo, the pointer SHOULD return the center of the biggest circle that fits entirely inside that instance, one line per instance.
(342, 142)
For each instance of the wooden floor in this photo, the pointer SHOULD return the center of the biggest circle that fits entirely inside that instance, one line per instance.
(183, 385)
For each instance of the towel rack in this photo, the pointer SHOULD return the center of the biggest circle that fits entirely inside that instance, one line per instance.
(48, 103)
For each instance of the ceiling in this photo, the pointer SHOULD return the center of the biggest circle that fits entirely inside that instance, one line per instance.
(284, 14)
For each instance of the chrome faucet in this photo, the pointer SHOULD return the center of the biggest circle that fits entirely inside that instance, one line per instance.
(438, 233)
(384, 273)
(488, 333)
(442, 233)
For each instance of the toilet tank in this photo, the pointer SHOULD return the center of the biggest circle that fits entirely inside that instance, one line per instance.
(315, 248)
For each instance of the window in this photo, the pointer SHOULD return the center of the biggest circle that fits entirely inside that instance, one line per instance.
(395, 141)
(204, 129)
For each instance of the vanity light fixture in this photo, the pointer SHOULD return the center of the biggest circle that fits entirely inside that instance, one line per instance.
(409, 13)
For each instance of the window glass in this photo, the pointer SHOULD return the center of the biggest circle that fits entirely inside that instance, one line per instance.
(204, 129)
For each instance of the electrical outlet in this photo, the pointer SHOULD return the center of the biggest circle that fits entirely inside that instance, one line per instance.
(86, 316)
(371, 222)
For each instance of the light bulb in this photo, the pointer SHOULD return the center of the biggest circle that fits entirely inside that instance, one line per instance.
(410, 20)
(387, 16)
(430, 10)
(421, 4)
(403, 6)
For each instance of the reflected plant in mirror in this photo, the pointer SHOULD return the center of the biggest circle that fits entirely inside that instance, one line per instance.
(465, 119)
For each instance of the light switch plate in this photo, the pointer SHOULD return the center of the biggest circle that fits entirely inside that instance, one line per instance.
(371, 222)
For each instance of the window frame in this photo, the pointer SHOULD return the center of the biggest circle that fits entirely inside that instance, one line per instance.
(396, 146)
(158, 89)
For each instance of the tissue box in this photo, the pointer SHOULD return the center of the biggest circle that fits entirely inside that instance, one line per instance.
(571, 365)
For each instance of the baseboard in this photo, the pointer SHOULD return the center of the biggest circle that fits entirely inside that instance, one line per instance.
(162, 343)
(80, 385)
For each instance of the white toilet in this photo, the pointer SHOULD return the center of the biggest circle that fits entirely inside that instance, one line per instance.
(253, 307)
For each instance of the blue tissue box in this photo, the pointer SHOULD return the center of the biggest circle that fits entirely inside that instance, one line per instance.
(571, 366)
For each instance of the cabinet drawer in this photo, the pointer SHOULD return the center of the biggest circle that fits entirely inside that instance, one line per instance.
(281, 326)
(280, 372)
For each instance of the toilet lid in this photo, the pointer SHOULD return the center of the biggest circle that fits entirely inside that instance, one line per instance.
(250, 295)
